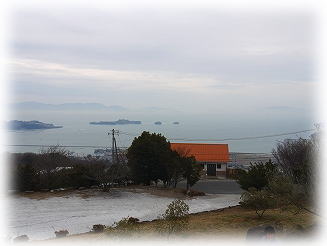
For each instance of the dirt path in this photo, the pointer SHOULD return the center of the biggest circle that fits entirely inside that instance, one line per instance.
(177, 193)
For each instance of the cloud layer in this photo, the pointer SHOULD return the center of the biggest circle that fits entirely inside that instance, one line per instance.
(187, 60)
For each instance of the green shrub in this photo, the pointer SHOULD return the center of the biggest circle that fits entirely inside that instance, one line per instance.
(258, 200)
(175, 218)
(124, 226)
(257, 176)
(288, 193)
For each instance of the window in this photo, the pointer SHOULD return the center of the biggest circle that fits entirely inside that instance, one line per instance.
(218, 166)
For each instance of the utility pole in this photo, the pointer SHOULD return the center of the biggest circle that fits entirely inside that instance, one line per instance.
(114, 151)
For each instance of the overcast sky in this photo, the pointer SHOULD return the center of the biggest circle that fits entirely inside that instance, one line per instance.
(186, 60)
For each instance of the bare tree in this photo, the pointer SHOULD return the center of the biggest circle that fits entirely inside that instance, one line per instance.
(51, 158)
(297, 160)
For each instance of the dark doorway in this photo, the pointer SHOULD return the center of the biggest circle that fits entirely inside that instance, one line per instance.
(211, 169)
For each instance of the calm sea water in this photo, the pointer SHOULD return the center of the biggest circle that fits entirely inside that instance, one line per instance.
(77, 130)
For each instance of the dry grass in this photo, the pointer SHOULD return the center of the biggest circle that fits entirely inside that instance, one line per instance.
(234, 221)
(237, 220)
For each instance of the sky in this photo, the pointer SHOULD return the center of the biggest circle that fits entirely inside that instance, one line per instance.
(190, 60)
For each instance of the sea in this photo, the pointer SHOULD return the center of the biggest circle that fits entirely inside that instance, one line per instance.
(207, 127)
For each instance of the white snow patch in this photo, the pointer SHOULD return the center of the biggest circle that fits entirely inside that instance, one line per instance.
(39, 219)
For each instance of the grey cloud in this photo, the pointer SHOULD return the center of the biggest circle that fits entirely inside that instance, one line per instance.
(236, 50)
(233, 45)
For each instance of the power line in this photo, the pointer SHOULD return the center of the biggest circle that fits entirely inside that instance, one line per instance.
(173, 139)
(229, 139)
(242, 138)
(67, 146)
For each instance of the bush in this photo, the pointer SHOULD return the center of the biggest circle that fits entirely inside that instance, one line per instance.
(176, 209)
(288, 193)
(175, 218)
(258, 200)
(192, 193)
(133, 220)
(125, 225)
(257, 176)
(234, 173)
(61, 233)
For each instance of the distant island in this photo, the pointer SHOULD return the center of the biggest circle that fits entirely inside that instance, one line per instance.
(176, 123)
(118, 122)
(157, 123)
(29, 125)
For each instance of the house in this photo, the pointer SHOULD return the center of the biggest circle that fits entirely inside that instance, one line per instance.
(212, 157)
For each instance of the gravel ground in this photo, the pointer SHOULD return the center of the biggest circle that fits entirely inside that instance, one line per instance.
(40, 218)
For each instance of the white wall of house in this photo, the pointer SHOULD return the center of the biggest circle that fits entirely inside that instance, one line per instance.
(221, 168)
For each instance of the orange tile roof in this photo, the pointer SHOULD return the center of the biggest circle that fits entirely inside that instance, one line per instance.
(203, 152)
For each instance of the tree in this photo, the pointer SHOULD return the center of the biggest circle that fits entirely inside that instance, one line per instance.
(23, 173)
(192, 171)
(119, 173)
(26, 178)
(296, 183)
(48, 160)
(148, 157)
(175, 170)
(185, 166)
(296, 160)
(257, 176)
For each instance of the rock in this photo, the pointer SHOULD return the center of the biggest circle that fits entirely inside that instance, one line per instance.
(260, 232)
(61, 233)
(98, 228)
(22, 238)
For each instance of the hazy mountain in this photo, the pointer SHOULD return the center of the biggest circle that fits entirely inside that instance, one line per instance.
(65, 106)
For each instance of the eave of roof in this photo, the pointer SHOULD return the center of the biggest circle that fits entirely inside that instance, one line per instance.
(203, 152)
